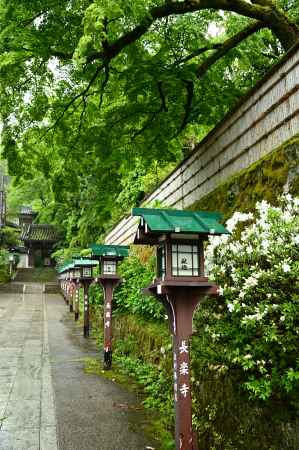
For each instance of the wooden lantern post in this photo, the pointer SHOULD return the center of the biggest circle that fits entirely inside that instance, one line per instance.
(180, 286)
(63, 279)
(72, 288)
(67, 288)
(85, 278)
(77, 299)
(109, 257)
(76, 277)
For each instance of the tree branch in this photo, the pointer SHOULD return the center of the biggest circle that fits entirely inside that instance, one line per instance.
(61, 55)
(104, 84)
(190, 94)
(227, 46)
(242, 7)
(81, 94)
(154, 114)
(200, 51)
(162, 97)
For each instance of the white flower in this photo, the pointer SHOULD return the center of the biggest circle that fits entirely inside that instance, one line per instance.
(251, 282)
(288, 198)
(248, 356)
(287, 216)
(230, 307)
(265, 244)
(282, 319)
(263, 207)
(220, 290)
(286, 267)
(237, 218)
(296, 239)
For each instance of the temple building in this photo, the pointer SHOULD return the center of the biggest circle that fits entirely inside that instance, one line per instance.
(38, 239)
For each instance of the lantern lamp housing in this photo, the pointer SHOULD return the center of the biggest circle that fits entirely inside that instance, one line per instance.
(84, 268)
(87, 272)
(109, 256)
(180, 258)
(179, 239)
(77, 273)
(109, 266)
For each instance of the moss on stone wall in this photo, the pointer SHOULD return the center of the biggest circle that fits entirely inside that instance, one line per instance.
(264, 180)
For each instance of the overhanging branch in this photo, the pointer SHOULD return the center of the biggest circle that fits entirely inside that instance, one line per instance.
(188, 106)
(228, 45)
(242, 7)
(104, 84)
(82, 95)
(199, 52)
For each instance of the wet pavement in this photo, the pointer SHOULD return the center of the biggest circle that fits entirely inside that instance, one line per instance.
(47, 401)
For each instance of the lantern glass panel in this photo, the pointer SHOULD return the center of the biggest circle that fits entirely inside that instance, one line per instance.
(161, 260)
(109, 267)
(77, 273)
(185, 260)
(86, 272)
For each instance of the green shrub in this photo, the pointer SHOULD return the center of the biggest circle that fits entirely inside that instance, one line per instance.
(129, 297)
(4, 266)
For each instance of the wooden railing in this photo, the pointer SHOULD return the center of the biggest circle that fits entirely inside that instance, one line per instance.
(265, 119)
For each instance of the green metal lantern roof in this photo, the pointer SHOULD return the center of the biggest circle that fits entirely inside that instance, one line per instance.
(61, 269)
(120, 251)
(64, 266)
(76, 263)
(177, 221)
(85, 262)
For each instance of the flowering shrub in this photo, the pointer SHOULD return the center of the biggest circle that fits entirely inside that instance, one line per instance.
(252, 327)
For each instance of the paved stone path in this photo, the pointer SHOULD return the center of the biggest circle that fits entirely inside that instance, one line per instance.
(47, 402)
(27, 413)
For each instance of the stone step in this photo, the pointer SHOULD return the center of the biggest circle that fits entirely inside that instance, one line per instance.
(36, 275)
(12, 288)
(30, 288)
(52, 288)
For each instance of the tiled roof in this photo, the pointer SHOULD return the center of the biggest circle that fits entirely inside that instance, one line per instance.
(27, 210)
(39, 233)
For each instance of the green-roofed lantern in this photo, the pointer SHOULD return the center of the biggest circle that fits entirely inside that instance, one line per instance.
(109, 257)
(180, 286)
(84, 268)
(83, 274)
(179, 237)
